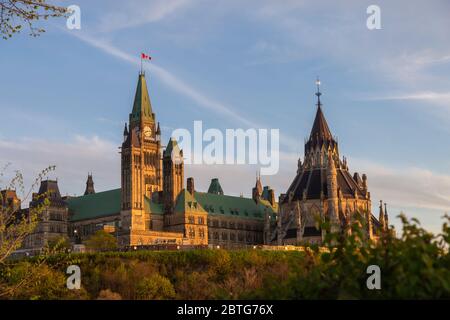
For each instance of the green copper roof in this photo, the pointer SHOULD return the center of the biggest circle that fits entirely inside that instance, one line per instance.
(96, 205)
(215, 187)
(218, 205)
(239, 207)
(186, 202)
(103, 204)
(153, 207)
(142, 106)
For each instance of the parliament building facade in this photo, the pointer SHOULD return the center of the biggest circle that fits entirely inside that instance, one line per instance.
(153, 206)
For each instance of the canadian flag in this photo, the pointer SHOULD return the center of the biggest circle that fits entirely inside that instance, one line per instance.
(145, 57)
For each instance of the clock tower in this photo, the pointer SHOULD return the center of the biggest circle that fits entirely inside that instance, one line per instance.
(140, 161)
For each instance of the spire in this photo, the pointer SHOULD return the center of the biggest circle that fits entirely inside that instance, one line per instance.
(320, 127)
(125, 131)
(142, 106)
(381, 216)
(258, 184)
(258, 189)
(89, 185)
(386, 218)
(158, 133)
(318, 93)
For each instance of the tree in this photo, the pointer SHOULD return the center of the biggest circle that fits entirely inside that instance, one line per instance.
(16, 225)
(15, 13)
(155, 287)
(59, 244)
(101, 241)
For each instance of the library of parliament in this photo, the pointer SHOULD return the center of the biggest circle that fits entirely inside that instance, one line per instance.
(154, 206)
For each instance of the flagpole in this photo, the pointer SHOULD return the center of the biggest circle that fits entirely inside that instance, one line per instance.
(141, 64)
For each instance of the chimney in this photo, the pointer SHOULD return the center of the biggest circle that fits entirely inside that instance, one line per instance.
(190, 185)
(271, 197)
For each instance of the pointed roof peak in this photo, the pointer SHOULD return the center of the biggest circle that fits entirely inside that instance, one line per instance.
(142, 106)
(215, 187)
(320, 127)
(172, 148)
(258, 184)
(89, 185)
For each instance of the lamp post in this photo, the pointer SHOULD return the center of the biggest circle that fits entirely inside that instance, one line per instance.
(77, 239)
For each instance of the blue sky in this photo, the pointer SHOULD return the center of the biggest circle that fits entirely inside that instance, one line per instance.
(65, 95)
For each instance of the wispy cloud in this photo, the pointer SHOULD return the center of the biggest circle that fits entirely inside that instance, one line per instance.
(441, 99)
(407, 187)
(73, 158)
(137, 13)
(170, 80)
(183, 88)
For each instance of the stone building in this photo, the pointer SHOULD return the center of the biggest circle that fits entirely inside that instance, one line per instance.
(153, 206)
(52, 221)
(323, 188)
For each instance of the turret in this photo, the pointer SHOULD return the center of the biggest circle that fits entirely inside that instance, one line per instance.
(381, 217)
(333, 211)
(89, 185)
(257, 190)
(158, 133)
(215, 187)
(386, 218)
(125, 132)
(173, 172)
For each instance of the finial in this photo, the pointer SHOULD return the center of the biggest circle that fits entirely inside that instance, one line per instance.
(318, 93)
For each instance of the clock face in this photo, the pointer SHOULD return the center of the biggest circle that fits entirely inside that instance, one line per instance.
(147, 133)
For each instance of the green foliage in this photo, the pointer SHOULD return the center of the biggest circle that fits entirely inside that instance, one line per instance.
(59, 244)
(101, 241)
(155, 287)
(413, 266)
(47, 283)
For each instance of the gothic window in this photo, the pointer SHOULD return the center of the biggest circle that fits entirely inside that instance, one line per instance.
(223, 224)
(201, 233)
(191, 219)
(224, 236)
(201, 220)
(191, 233)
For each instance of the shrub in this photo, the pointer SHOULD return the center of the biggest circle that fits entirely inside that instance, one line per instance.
(107, 294)
(155, 287)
